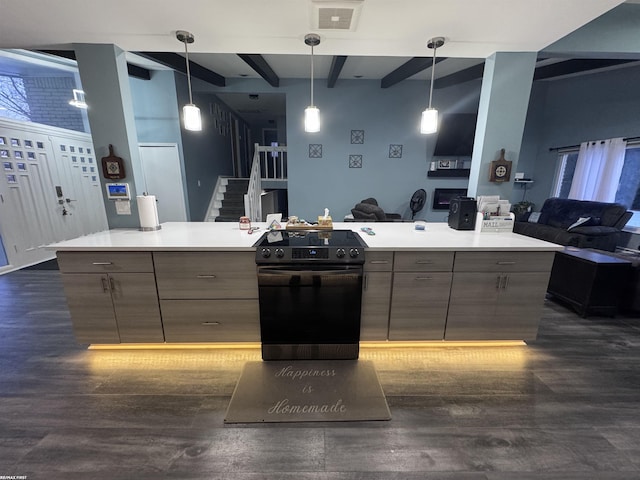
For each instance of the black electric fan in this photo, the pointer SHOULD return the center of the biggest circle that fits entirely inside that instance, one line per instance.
(417, 201)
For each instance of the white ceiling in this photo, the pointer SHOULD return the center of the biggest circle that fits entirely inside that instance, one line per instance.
(387, 33)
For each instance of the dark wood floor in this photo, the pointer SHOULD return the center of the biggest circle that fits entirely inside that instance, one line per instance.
(566, 407)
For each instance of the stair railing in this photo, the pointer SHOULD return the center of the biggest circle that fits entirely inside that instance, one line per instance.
(269, 163)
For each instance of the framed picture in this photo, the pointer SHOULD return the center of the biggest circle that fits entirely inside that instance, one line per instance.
(446, 164)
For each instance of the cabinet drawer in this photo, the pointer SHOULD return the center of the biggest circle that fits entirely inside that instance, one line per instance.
(206, 275)
(100, 262)
(423, 261)
(378, 261)
(210, 320)
(503, 261)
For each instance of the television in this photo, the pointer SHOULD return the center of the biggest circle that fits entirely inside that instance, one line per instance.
(456, 133)
(442, 197)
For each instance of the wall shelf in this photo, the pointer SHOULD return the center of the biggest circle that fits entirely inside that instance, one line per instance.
(449, 173)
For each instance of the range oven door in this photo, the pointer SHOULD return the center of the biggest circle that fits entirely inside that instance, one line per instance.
(310, 311)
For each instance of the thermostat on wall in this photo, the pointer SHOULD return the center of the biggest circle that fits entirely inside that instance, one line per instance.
(118, 191)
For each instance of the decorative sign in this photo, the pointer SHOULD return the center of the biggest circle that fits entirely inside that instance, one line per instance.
(500, 169)
(307, 391)
(112, 166)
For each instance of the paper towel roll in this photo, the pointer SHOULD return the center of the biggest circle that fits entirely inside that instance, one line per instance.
(148, 212)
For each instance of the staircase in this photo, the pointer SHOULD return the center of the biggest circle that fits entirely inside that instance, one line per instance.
(232, 202)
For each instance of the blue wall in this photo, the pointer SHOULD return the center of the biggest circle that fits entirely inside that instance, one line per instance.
(205, 155)
(388, 116)
(574, 110)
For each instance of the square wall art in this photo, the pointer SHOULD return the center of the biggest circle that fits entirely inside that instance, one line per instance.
(355, 161)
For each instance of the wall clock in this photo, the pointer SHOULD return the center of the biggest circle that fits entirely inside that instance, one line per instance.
(500, 170)
(112, 166)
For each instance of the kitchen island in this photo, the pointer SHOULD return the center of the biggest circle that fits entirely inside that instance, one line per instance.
(196, 282)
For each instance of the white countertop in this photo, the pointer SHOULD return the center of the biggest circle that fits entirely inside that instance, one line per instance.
(227, 236)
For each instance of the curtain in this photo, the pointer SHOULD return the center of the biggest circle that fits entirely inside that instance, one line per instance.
(598, 170)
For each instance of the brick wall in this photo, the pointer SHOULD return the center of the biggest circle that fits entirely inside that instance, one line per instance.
(48, 99)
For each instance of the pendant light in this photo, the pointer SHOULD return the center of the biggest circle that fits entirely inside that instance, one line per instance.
(429, 120)
(190, 112)
(312, 113)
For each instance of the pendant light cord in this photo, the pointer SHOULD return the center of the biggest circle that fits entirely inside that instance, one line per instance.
(311, 75)
(433, 71)
(186, 51)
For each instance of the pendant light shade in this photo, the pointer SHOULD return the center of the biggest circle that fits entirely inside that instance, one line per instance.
(190, 112)
(312, 113)
(311, 119)
(191, 117)
(429, 120)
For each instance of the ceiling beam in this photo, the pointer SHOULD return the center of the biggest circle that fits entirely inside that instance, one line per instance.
(138, 72)
(577, 65)
(336, 67)
(408, 69)
(461, 76)
(177, 62)
(261, 67)
(133, 70)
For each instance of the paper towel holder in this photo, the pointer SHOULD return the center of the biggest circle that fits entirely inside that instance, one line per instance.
(156, 224)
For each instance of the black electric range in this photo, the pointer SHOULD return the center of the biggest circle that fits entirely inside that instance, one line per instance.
(310, 293)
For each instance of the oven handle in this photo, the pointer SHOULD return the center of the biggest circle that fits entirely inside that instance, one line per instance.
(308, 272)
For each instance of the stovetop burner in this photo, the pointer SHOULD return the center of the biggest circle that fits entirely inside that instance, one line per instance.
(300, 246)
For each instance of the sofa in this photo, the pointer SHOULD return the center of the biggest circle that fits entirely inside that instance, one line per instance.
(576, 223)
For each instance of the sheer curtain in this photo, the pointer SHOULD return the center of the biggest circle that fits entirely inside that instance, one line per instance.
(598, 170)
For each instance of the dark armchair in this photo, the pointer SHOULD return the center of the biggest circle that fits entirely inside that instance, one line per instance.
(369, 211)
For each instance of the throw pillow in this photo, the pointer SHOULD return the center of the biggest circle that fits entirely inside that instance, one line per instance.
(583, 222)
(533, 218)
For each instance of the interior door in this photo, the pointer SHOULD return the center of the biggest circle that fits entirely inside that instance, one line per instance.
(163, 178)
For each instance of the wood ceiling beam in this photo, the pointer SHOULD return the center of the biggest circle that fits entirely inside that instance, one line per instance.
(133, 70)
(462, 76)
(577, 65)
(177, 62)
(336, 67)
(408, 69)
(261, 67)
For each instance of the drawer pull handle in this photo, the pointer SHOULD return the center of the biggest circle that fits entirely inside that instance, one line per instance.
(206, 276)
(211, 323)
(424, 278)
(379, 262)
(105, 285)
(425, 262)
(505, 263)
(102, 263)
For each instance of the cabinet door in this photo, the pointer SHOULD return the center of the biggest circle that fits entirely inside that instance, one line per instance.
(135, 302)
(376, 297)
(419, 305)
(89, 299)
(472, 306)
(519, 306)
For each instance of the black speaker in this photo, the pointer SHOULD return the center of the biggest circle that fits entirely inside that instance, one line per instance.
(462, 213)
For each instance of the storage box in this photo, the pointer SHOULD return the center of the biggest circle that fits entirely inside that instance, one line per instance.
(497, 224)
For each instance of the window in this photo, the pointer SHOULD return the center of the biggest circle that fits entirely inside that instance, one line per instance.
(13, 98)
(628, 192)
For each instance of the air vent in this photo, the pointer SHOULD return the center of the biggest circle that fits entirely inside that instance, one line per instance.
(331, 15)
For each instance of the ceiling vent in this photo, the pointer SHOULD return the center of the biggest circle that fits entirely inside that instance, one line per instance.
(332, 15)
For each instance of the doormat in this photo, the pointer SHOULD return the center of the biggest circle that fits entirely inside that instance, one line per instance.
(308, 391)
